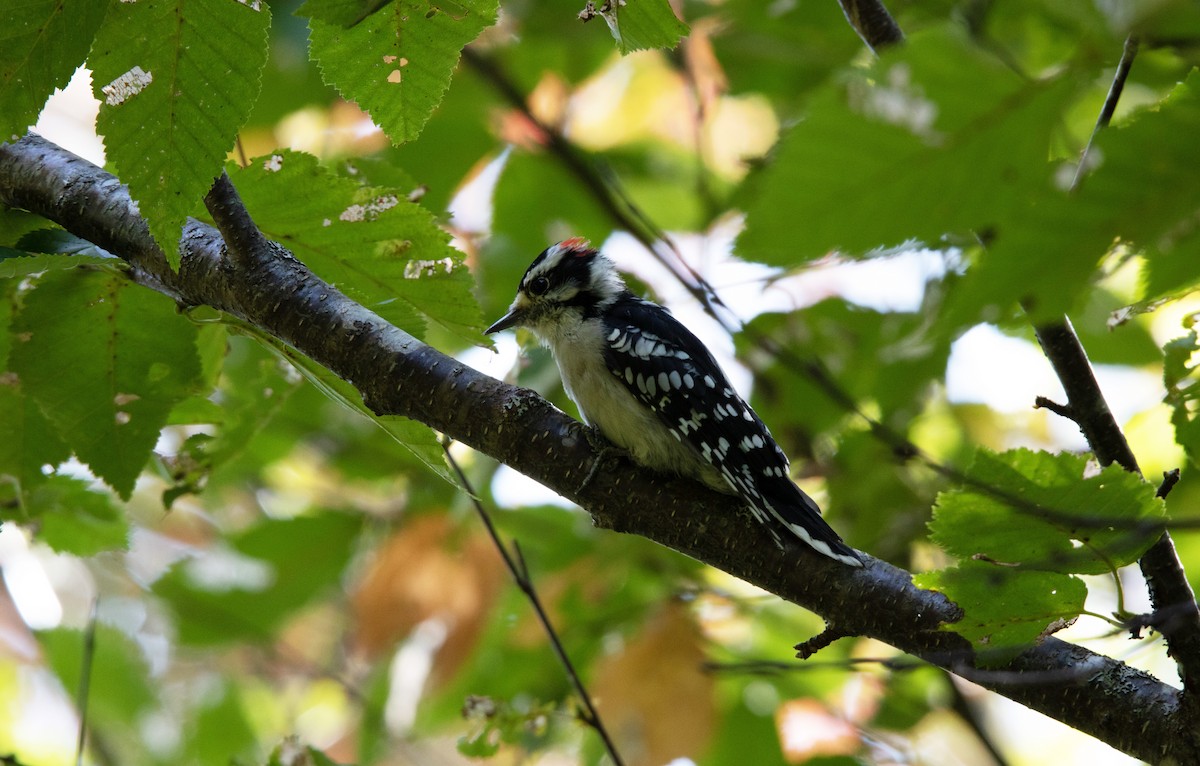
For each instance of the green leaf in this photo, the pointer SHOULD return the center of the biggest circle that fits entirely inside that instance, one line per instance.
(1048, 512)
(222, 732)
(342, 13)
(1142, 196)
(76, 520)
(130, 358)
(61, 242)
(42, 42)
(245, 592)
(416, 437)
(642, 24)
(24, 265)
(253, 389)
(27, 440)
(1183, 390)
(878, 160)
(119, 689)
(176, 81)
(397, 63)
(371, 243)
(1005, 609)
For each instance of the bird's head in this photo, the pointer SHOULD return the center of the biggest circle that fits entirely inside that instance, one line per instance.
(568, 277)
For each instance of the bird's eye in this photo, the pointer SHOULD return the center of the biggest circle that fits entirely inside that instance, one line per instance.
(538, 286)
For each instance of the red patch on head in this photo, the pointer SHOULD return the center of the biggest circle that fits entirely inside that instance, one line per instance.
(578, 244)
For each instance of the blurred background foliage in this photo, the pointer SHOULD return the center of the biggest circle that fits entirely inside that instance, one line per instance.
(259, 569)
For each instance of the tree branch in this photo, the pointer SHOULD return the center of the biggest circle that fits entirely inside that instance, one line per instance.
(397, 374)
(1170, 592)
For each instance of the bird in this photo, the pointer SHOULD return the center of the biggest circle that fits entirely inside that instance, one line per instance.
(652, 388)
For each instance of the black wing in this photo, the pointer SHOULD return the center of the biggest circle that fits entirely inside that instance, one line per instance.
(670, 371)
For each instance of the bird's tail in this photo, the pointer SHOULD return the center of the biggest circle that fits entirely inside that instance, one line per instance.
(800, 514)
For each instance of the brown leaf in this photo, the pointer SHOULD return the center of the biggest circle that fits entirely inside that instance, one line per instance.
(653, 696)
(426, 571)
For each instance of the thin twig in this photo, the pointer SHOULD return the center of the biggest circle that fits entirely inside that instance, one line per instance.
(85, 682)
(806, 649)
(1110, 105)
(515, 561)
(1169, 589)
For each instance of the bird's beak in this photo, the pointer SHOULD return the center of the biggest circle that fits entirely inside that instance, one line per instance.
(513, 318)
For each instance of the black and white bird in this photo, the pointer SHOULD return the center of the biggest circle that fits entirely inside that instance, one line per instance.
(652, 388)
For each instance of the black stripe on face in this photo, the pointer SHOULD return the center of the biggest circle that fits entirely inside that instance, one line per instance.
(562, 267)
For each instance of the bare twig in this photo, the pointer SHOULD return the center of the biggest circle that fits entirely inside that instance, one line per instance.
(806, 649)
(515, 561)
(1086, 406)
(85, 682)
(1170, 479)
(1110, 106)
(966, 711)
(245, 241)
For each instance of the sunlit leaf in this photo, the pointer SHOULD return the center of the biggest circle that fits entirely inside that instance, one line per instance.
(1006, 609)
(1050, 512)
(397, 63)
(372, 243)
(879, 158)
(223, 727)
(176, 81)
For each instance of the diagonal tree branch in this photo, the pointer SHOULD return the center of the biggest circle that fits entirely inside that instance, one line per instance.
(397, 374)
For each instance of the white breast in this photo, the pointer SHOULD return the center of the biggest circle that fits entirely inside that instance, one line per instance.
(607, 404)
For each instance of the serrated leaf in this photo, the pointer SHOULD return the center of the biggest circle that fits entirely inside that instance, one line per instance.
(1006, 609)
(272, 569)
(878, 160)
(639, 25)
(42, 42)
(106, 361)
(1048, 512)
(371, 243)
(397, 63)
(75, 519)
(176, 81)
